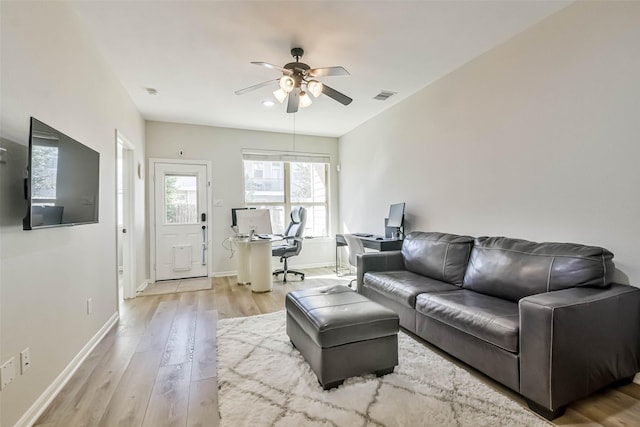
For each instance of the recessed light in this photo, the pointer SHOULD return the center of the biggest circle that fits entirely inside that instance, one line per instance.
(151, 91)
(268, 103)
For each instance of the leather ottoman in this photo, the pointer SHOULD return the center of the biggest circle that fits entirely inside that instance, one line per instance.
(341, 333)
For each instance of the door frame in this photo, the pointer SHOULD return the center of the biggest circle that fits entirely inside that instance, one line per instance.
(128, 248)
(151, 179)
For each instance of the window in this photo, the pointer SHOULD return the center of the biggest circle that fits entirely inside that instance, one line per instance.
(286, 182)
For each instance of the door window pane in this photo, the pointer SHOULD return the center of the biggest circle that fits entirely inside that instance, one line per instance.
(181, 199)
(263, 182)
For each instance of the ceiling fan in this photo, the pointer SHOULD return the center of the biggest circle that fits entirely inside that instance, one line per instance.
(298, 80)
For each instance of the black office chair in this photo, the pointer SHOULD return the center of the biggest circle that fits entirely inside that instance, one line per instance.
(292, 244)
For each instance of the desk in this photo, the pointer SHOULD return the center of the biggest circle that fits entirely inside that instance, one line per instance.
(384, 244)
(254, 263)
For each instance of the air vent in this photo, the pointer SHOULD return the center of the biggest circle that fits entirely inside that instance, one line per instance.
(384, 95)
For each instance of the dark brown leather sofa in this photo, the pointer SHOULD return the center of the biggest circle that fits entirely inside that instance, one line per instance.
(544, 319)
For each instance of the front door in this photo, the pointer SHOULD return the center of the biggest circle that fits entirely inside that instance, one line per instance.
(180, 193)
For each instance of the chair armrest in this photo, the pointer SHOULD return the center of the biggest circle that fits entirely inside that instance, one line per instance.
(378, 261)
(576, 341)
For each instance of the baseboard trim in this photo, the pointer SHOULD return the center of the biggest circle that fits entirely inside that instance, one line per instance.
(142, 286)
(223, 273)
(33, 413)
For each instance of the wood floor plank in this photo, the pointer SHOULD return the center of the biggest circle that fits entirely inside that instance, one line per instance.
(203, 404)
(89, 404)
(129, 402)
(64, 399)
(632, 390)
(181, 337)
(571, 418)
(157, 333)
(204, 356)
(610, 408)
(169, 401)
(135, 315)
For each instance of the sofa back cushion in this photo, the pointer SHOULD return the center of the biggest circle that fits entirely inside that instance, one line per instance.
(437, 255)
(513, 269)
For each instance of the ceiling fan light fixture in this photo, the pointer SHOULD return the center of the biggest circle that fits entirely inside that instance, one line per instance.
(287, 83)
(305, 100)
(315, 87)
(280, 95)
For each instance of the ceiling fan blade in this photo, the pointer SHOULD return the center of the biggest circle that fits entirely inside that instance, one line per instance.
(273, 67)
(254, 87)
(328, 71)
(294, 101)
(338, 96)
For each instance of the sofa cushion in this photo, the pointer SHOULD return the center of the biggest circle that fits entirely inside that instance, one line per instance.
(403, 286)
(440, 256)
(513, 268)
(490, 319)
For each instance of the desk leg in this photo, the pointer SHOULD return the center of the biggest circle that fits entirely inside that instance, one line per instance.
(243, 262)
(261, 275)
(338, 269)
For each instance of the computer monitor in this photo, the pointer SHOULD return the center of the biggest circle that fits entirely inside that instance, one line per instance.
(258, 220)
(396, 215)
(234, 217)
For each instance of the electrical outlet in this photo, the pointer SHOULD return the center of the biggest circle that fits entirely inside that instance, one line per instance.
(25, 360)
(7, 373)
(89, 306)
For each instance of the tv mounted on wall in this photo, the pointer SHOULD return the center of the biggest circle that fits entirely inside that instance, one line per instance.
(63, 182)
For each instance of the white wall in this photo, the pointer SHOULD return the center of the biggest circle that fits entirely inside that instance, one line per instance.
(52, 71)
(223, 147)
(536, 139)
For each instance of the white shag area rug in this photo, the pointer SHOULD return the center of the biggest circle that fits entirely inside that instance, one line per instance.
(264, 381)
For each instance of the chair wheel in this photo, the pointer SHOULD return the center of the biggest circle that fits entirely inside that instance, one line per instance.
(302, 277)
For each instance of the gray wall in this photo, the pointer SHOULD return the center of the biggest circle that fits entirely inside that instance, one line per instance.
(536, 139)
(56, 75)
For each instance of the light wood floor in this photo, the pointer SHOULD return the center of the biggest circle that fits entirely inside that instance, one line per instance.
(157, 367)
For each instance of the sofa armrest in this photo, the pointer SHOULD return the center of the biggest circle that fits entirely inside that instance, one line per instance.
(576, 341)
(378, 261)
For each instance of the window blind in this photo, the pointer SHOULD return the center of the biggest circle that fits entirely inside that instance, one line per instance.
(285, 156)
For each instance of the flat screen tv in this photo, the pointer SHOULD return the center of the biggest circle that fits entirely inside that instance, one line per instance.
(63, 180)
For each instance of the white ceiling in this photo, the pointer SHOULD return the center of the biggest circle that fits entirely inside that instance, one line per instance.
(197, 53)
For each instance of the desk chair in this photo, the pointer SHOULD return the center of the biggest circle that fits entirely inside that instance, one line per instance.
(292, 244)
(355, 247)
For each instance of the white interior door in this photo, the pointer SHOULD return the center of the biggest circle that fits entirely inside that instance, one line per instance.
(180, 198)
(125, 227)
